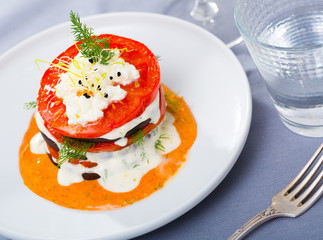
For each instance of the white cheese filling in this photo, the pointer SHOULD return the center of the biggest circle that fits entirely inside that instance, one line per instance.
(89, 88)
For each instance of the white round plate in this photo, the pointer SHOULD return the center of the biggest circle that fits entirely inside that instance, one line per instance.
(193, 63)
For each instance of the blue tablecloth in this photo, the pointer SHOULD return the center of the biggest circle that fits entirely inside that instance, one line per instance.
(272, 155)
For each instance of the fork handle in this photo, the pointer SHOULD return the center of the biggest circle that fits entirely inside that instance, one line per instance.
(254, 222)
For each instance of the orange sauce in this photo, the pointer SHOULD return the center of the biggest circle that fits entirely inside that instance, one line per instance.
(40, 174)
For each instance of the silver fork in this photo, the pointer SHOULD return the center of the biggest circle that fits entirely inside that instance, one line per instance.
(298, 196)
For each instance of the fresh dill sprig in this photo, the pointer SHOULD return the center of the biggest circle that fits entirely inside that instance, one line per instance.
(158, 144)
(172, 104)
(163, 136)
(30, 105)
(73, 149)
(91, 47)
(138, 137)
(80, 31)
(158, 57)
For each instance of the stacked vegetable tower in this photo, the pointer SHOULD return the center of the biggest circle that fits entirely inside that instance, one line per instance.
(98, 96)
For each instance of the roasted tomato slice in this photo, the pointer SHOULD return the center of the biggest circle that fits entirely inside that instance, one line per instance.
(111, 146)
(139, 93)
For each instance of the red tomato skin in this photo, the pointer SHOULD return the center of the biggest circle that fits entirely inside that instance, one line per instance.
(139, 93)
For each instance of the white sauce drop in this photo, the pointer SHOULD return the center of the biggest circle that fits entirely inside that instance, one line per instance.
(37, 144)
(121, 142)
(69, 173)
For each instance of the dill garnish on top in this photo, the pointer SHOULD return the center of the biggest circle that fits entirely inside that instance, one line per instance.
(97, 50)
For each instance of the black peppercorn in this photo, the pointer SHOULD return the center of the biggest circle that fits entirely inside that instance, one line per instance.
(86, 95)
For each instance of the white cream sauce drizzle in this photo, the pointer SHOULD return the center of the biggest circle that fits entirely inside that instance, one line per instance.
(121, 171)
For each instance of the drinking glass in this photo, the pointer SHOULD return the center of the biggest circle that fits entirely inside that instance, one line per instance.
(285, 40)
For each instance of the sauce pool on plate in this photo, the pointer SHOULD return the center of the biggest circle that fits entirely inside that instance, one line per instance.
(40, 174)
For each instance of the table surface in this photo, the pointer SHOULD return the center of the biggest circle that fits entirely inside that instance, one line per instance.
(271, 157)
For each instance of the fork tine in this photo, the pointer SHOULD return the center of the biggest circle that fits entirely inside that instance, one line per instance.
(316, 196)
(294, 193)
(289, 188)
(305, 195)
